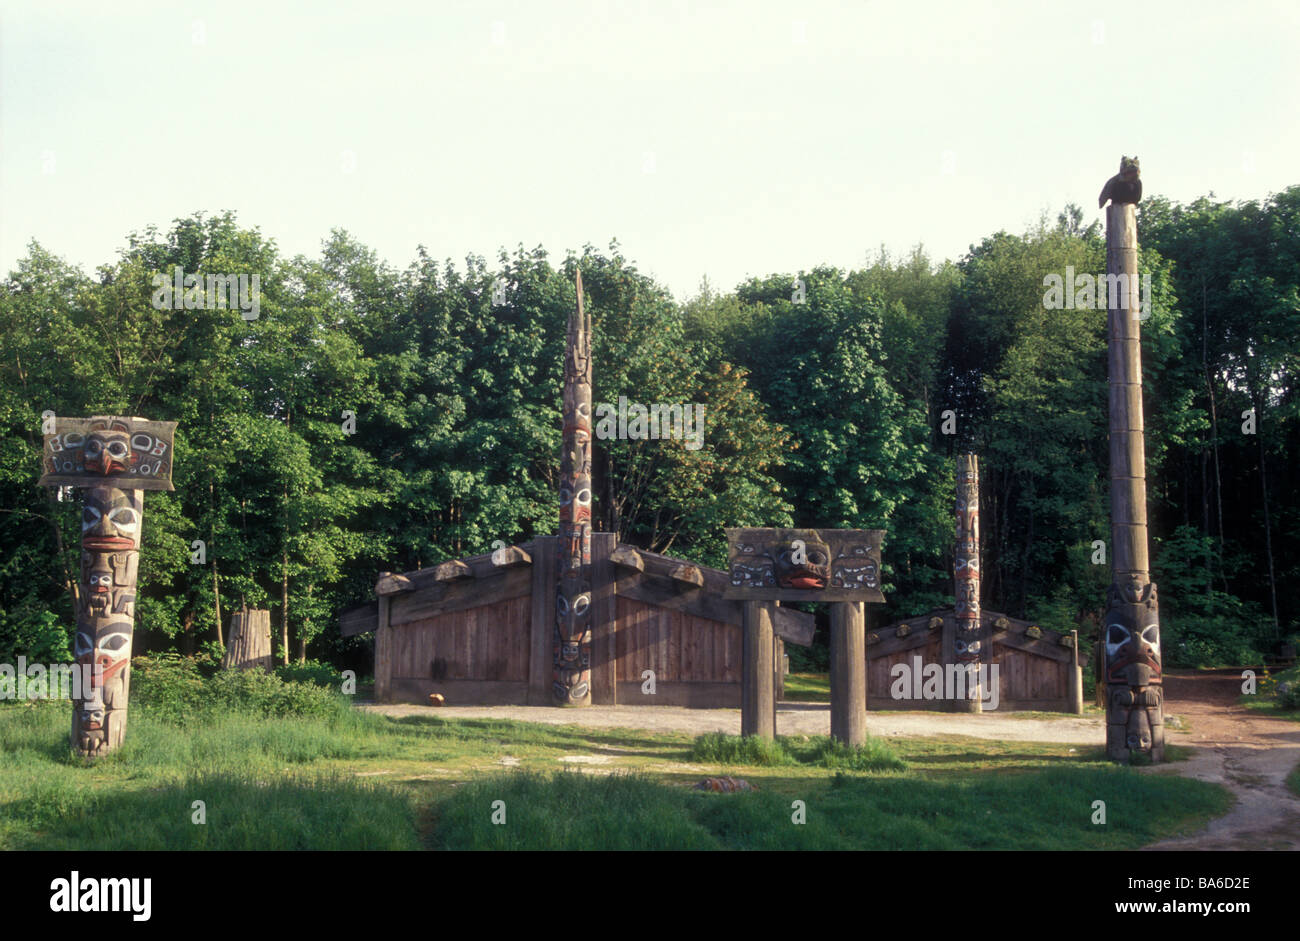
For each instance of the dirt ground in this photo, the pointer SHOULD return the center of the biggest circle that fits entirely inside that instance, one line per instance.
(1249, 754)
(791, 719)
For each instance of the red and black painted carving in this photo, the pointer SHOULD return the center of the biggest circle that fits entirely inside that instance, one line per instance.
(116, 459)
(572, 650)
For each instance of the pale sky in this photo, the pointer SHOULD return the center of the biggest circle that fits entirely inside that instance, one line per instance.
(724, 140)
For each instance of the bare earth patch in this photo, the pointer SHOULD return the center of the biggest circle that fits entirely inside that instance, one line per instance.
(1249, 754)
(792, 719)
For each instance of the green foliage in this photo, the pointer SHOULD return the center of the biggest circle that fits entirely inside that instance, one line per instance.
(723, 749)
(174, 689)
(311, 672)
(823, 751)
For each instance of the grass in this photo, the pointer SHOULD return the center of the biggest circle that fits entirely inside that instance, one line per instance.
(1293, 780)
(360, 780)
(807, 687)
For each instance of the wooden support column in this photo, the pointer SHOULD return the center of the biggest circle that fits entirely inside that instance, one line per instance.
(758, 702)
(848, 673)
(1075, 687)
(383, 652)
(604, 624)
(542, 624)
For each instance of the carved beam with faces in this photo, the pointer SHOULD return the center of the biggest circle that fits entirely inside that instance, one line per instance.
(804, 565)
(109, 450)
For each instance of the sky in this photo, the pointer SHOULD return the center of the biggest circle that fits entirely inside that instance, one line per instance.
(725, 140)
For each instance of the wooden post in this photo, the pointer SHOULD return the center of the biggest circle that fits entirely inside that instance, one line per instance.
(1075, 681)
(384, 652)
(848, 672)
(1130, 630)
(541, 641)
(757, 702)
(250, 641)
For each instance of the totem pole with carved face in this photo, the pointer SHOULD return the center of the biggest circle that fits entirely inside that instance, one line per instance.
(970, 640)
(1131, 632)
(117, 459)
(573, 628)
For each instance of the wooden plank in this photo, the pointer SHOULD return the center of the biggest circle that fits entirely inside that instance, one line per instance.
(604, 621)
(663, 592)
(383, 653)
(460, 595)
(794, 626)
(541, 621)
(359, 620)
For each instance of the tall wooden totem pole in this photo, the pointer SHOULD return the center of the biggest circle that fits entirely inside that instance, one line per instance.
(970, 639)
(1134, 694)
(572, 671)
(116, 459)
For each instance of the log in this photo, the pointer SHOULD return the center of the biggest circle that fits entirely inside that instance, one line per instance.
(848, 673)
(628, 558)
(250, 641)
(757, 695)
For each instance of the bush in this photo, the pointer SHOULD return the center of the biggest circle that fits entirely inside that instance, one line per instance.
(174, 689)
(312, 671)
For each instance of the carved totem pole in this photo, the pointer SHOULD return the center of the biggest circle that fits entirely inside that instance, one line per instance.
(116, 459)
(572, 654)
(971, 642)
(1134, 692)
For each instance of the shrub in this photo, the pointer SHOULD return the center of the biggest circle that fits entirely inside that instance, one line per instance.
(174, 689)
(312, 671)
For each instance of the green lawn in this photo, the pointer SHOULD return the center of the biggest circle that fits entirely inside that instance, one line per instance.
(808, 687)
(357, 780)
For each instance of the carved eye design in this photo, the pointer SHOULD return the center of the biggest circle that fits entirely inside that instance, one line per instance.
(584, 496)
(566, 495)
(115, 642)
(1116, 634)
(81, 646)
(89, 517)
(124, 518)
(117, 450)
(562, 605)
(93, 447)
(581, 604)
(817, 557)
(1151, 634)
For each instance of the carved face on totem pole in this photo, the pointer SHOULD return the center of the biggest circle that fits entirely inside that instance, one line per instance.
(116, 459)
(1133, 669)
(804, 564)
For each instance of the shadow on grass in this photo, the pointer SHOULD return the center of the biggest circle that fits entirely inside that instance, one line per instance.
(238, 812)
(1049, 809)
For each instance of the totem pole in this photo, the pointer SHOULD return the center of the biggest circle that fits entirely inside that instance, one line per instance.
(572, 653)
(970, 639)
(1134, 694)
(116, 459)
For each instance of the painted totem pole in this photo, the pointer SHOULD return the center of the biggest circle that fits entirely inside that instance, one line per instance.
(970, 641)
(1134, 693)
(572, 671)
(117, 459)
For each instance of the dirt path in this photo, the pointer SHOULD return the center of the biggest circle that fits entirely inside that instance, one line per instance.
(1249, 754)
(792, 719)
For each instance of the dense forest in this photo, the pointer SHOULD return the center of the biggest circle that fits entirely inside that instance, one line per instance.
(375, 419)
